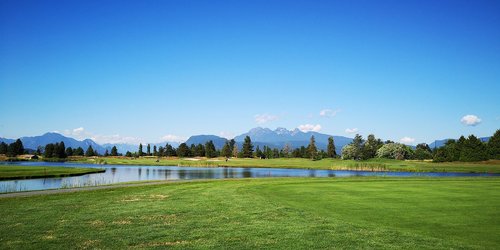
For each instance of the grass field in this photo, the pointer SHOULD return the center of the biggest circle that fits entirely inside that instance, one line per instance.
(492, 166)
(263, 213)
(8, 172)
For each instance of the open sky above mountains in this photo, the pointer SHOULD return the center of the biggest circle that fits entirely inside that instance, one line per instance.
(129, 71)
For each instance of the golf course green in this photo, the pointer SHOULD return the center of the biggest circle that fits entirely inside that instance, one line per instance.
(283, 213)
(10, 172)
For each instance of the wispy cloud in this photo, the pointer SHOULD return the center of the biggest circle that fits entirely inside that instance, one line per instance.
(309, 127)
(227, 135)
(172, 138)
(264, 118)
(351, 130)
(329, 112)
(82, 134)
(407, 140)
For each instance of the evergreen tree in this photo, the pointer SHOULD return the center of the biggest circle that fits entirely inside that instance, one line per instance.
(370, 147)
(330, 151)
(49, 151)
(494, 146)
(473, 150)
(148, 150)
(79, 151)
(232, 143)
(200, 150)
(140, 153)
(357, 144)
(226, 150)
(210, 151)
(161, 151)
(114, 151)
(90, 152)
(61, 150)
(69, 151)
(258, 152)
(303, 152)
(183, 150)
(15, 148)
(3, 148)
(312, 150)
(106, 153)
(155, 151)
(128, 154)
(247, 148)
(170, 151)
(423, 152)
(268, 152)
(192, 149)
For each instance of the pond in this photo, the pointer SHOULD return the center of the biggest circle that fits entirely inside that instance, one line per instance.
(128, 173)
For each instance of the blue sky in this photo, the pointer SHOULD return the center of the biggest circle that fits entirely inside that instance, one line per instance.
(154, 70)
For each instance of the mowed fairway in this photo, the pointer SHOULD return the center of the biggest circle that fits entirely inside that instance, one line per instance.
(28, 172)
(286, 213)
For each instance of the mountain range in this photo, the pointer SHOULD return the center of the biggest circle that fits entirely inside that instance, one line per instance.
(33, 142)
(261, 137)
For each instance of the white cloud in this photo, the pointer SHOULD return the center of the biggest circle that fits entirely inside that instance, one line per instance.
(470, 120)
(78, 131)
(227, 135)
(407, 140)
(310, 127)
(329, 112)
(173, 138)
(263, 118)
(351, 130)
(82, 134)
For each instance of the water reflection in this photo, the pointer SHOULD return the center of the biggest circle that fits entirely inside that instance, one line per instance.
(116, 174)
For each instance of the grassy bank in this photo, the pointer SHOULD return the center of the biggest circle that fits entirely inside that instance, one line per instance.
(9, 172)
(263, 213)
(336, 164)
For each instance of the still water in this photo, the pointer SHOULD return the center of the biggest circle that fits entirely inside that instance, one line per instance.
(121, 173)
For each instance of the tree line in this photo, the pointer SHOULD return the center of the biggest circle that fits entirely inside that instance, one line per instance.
(464, 149)
(231, 149)
(12, 149)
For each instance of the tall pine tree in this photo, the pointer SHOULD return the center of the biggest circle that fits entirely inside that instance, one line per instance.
(247, 148)
(330, 150)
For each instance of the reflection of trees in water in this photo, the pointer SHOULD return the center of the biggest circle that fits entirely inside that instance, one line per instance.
(182, 174)
(331, 174)
(228, 173)
(113, 171)
(247, 173)
(312, 173)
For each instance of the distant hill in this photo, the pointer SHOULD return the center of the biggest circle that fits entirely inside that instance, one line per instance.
(124, 147)
(5, 140)
(32, 142)
(197, 139)
(295, 138)
(440, 143)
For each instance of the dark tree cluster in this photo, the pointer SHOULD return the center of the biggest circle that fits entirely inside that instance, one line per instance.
(230, 149)
(59, 150)
(13, 149)
(469, 149)
(464, 149)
